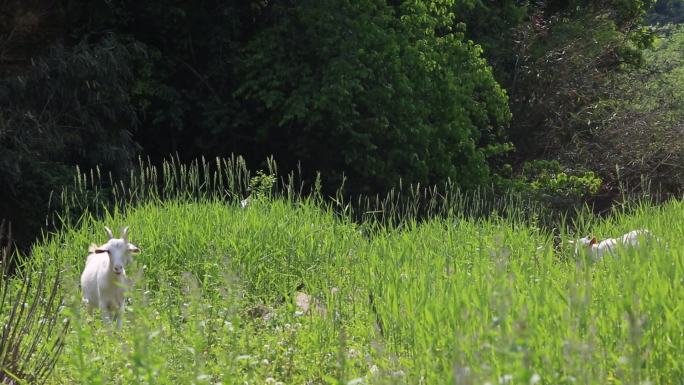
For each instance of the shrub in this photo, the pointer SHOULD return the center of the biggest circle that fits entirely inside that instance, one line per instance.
(376, 91)
(549, 182)
(33, 330)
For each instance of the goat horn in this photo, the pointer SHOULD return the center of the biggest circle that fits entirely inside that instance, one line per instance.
(109, 232)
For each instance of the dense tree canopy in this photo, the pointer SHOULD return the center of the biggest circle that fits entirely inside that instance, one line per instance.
(382, 96)
(667, 11)
(374, 90)
(71, 108)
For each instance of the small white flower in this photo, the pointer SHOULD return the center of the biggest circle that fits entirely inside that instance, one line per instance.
(506, 379)
(535, 379)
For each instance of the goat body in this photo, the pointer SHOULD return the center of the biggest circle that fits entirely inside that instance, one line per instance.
(103, 280)
(101, 287)
(608, 246)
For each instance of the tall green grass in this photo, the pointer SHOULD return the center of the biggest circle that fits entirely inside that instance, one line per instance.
(33, 329)
(230, 180)
(418, 287)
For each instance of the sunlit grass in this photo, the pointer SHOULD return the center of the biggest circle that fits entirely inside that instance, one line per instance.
(453, 299)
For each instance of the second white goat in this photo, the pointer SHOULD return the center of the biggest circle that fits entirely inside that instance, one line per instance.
(608, 246)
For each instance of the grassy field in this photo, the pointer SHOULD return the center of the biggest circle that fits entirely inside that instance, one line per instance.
(453, 299)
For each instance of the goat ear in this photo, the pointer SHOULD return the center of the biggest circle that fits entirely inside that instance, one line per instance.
(109, 232)
(593, 241)
(133, 248)
(124, 233)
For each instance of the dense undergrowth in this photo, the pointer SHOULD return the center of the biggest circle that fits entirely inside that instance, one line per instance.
(449, 298)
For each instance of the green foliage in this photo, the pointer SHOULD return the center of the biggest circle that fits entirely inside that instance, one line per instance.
(548, 182)
(185, 76)
(631, 10)
(72, 107)
(635, 132)
(372, 91)
(667, 11)
(566, 59)
(260, 185)
(491, 25)
(554, 58)
(376, 92)
(504, 27)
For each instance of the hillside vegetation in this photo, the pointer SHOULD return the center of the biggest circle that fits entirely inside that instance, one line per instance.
(219, 291)
(447, 153)
(516, 94)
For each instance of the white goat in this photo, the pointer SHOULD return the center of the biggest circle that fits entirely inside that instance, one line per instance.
(598, 249)
(103, 280)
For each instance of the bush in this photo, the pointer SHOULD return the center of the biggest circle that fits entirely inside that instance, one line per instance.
(596, 92)
(33, 330)
(548, 182)
(379, 92)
